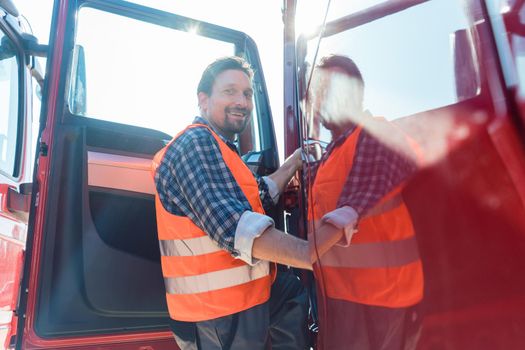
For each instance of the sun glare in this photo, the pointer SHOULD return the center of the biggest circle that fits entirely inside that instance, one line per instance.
(194, 30)
(309, 18)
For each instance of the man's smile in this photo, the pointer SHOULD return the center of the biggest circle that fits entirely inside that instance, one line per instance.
(236, 113)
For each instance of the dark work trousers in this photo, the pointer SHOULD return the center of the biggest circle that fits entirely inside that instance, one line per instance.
(281, 322)
(364, 327)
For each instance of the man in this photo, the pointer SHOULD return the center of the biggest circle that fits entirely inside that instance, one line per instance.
(216, 242)
(373, 281)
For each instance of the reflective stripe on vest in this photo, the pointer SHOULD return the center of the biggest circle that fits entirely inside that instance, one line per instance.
(216, 280)
(203, 281)
(381, 266)
(374, 255)
(188, 247)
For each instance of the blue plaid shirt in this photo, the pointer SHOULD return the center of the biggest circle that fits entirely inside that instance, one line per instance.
(376, 170)
(193, 181)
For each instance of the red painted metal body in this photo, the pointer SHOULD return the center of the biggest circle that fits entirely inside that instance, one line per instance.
(11, 258)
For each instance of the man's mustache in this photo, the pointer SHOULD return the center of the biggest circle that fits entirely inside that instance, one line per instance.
(244, 111)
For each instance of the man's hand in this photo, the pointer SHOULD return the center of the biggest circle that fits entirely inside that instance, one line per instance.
(296, 158)
(282, 176)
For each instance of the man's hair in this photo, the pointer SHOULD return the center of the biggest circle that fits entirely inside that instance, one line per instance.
(342, 63)
(217, 67)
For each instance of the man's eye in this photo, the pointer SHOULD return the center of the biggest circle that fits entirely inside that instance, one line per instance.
(248, 94)
(229, 91)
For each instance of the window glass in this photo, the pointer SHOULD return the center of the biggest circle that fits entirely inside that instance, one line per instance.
(410, 61)
(9, 91)
(142, 74)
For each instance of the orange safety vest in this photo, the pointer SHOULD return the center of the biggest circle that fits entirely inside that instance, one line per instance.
(203, 281)
(381, 266)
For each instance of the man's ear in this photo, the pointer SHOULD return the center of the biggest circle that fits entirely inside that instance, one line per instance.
(203, 102)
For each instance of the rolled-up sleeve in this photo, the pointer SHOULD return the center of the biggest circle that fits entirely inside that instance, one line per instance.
(344, 218)
(250, 226)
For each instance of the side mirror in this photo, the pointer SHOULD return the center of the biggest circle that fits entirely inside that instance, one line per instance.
(16, 203)
(77, 90)
(8, 6)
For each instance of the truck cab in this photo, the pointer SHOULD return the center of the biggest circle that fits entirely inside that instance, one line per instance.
(80, 263)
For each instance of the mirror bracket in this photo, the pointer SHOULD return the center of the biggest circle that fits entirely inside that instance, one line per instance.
(32, 47)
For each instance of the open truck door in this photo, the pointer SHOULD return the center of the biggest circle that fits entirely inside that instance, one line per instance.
(448, 74)
(17, 63)
(121, 81)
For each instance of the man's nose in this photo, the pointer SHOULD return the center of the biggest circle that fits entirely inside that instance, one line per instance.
(241, 100)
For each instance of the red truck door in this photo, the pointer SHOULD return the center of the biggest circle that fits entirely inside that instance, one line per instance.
(15, 165)
(441, 72)
(121, 80)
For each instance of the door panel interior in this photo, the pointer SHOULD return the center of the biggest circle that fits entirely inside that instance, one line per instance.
(119, 172)
(105, 264)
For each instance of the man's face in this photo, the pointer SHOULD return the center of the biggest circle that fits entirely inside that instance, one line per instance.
(230, 104)
(336, 98)
(318, 93)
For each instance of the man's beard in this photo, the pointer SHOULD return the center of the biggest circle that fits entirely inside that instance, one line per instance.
(234, 125)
